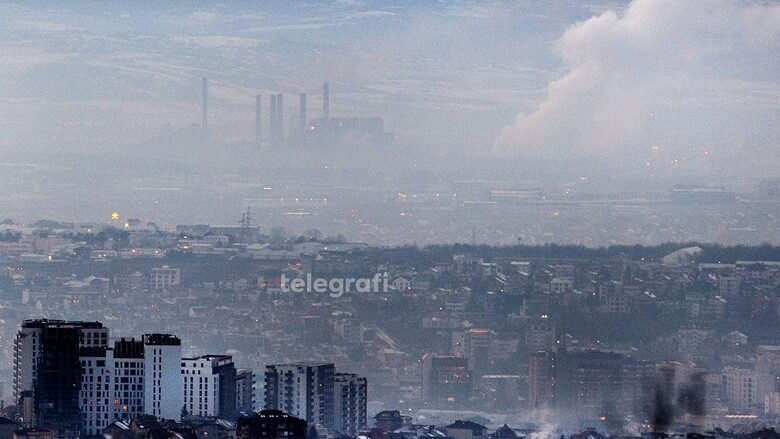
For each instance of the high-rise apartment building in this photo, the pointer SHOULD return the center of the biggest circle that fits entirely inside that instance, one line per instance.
(541, 380)
(128, 373)
(209, 385)
(304, 390)
(27, 348)
(588, 380)
(67, 378)
(163, 383)
(47, 371)
(245, 390)
(474, 344)
(350, 397)
(112, 384)
(95, 393)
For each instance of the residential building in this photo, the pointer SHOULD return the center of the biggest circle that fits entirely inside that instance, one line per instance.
(446, 380)
(163, 384)
(48, 371)
(349, 403)
(746, 389)
(164, 277)
(271, 424)
(466, 430)
(541, 380)
(304, 390)
(245, 390)
(112, 386)
(209, 385)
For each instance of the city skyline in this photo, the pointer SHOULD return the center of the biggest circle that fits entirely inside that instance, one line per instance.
(390, 219)
(553, 338)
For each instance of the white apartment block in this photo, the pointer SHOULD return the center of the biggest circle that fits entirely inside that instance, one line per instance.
(209, 385)
(112, 385)
(164, 277)
(164, 390)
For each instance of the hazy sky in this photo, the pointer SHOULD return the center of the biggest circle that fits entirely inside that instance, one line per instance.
(565, 80)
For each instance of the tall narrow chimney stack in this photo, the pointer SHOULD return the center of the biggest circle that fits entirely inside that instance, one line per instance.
(302, 115)
(272, 119)
(325, 101)
(280, 116)
(258, 120)
(205, 104)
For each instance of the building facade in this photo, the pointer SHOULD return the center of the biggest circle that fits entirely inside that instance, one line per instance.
(541, 380)
(47, 371)
(209, 385)
(163, 383)
(350, 397)
(245, 390)
(446, 380)
(164, 277)
(304, 390)
(271, 424)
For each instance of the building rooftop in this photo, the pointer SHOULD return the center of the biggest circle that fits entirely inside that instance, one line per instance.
(162, 340)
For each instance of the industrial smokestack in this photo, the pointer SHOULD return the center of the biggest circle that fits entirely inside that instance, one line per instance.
(272, 119)
(325, 106)
(302, 115)
(280, 115)
(325, 101)
(205, 104)
(258, 120)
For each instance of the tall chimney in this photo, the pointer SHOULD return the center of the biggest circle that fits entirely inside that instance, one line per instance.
(302, 115)
(325, 106)
(272, 119)
(258, 120)
(205, 104)
(280, 115)
(325, 100)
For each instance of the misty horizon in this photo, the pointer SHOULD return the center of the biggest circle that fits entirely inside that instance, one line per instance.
(390, 219)
(567, 86)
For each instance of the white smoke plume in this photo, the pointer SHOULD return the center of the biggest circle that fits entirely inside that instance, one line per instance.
(685, 77)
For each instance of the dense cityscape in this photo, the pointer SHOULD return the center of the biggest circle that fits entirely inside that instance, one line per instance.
(210, 324)
(390, 219)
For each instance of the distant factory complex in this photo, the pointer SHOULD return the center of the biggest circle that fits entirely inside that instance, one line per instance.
(302, 131)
